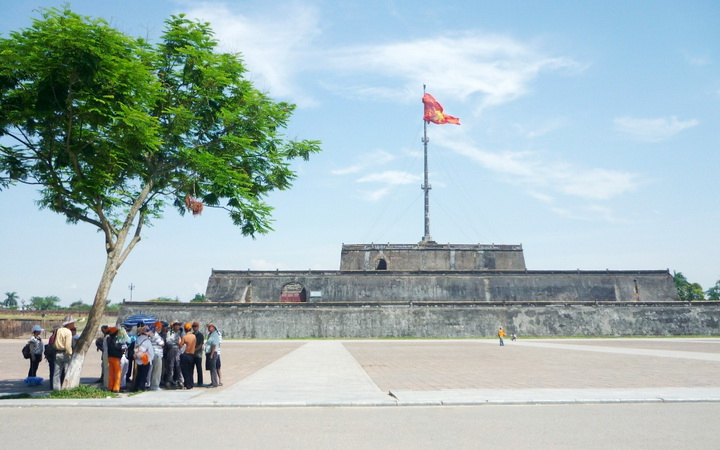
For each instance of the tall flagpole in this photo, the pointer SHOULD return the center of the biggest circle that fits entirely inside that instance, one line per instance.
(426, 185)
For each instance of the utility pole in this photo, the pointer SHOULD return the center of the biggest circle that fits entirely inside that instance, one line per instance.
(131, 287)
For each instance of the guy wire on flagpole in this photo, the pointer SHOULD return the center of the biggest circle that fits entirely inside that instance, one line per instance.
(426, 185)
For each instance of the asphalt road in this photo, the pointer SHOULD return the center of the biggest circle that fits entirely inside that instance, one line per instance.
(586, 426)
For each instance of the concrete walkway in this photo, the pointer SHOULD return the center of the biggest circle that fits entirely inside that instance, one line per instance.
(430, 372)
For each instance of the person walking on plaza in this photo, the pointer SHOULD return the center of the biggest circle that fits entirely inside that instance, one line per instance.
(63, 351)
(212, 353)
(501, 335)
(187, 358)
(36, 350)
(200, 341)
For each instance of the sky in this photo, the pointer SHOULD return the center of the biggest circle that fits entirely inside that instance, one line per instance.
(589, 134)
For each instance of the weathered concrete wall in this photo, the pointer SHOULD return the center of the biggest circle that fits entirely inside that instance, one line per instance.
(372, 320)
(488, 286)
(445, 257)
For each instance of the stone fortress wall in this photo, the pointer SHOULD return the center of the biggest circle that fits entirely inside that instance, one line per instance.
(439, 290)
(489, 286)
(447, 320)
(437, 272)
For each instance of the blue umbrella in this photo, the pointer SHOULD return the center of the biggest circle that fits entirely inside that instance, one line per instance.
(137, 319)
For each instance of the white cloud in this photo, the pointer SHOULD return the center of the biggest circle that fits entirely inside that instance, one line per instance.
(564, 178)
(386, 181)
(390, 177)
(541, 196)
(261, 264)
(589, 213)
(377, 194)
(652, 130)
(374, 158)
(282, 43)
(458, 66)
(545, 127)
(695, 59)
(274, 47)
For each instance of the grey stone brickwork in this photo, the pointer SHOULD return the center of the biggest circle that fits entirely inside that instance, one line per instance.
(480, 286)
(453, 319)
(429, 257)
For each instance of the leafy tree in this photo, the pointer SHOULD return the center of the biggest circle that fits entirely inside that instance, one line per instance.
(687, 291)
(165, 299)
(198, 298)
(714, 292)
(11, 300)
(44, 303)
(114, 129)
(79, 305)
(112, 306)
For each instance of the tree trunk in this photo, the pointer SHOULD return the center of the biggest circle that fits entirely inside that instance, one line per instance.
(72, 376)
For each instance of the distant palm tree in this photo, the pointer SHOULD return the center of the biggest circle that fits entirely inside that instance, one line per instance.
(11, 300)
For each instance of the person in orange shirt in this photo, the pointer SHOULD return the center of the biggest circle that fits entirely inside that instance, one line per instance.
(187, 358)
(114, 353)
(501, 335)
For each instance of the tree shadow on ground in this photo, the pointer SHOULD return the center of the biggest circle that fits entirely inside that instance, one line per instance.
(18, 386)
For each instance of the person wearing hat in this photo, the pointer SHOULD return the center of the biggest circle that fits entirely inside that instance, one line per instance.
(144, 355)
(158, 343)
(212, 353)
(114, 355)
(36, 350)
(198, 352)
(63, 345)
(173, 374)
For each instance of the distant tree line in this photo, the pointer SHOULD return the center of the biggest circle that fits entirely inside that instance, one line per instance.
(52, 302)
(688, 291)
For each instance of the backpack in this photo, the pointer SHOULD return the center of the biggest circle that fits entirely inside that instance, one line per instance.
(50, 352)
(26, 351)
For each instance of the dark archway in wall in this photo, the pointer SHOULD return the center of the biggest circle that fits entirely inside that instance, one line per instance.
(381, 264)
(293, 293)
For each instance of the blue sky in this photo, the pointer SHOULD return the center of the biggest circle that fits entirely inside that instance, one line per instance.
(589, 135)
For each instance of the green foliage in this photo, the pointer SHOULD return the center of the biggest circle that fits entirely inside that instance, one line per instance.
(82, 391)
(198, 298)
(113, 306)
(44, 303)
(165, 299)
(11, 300)
(687, 291)
(714, 292)
(104, 122)
(114, 129)
(79, 305)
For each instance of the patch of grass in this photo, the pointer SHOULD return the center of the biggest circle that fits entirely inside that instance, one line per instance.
(15, 396)
(83, 391)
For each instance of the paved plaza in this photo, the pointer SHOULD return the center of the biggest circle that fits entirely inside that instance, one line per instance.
(259, 373)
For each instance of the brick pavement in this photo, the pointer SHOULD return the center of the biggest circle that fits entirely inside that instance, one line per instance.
(313, 372)
(476, 364)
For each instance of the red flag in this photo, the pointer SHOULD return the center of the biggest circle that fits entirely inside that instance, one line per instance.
(434, 112)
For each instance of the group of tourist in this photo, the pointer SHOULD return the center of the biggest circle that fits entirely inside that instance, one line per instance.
(161, 354)
(58, 351)
(137, 357)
